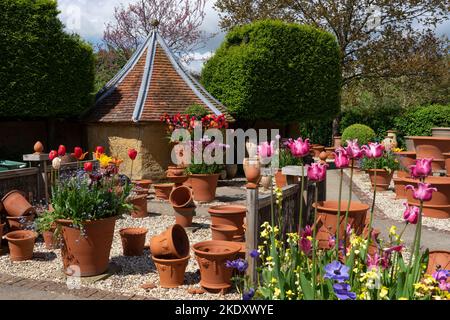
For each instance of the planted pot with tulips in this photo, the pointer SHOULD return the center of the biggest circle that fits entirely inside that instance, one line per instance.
(354, 266)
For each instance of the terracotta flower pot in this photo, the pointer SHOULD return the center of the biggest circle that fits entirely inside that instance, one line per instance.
(21, 244)
(439, 259)
(266, 182)
(171, 271)
(204, 186)
(20, 223)
(143, 183)
(252, 170)
(181, 197)
(178, 180)
(432, 147)
(327, 215)
(336, 141)
(173, 242)
(383, 178)
(399, 185)
(2, 227)
(223, 232)
(175, 171)
(447, 162)
(87, 253)
(440, 132)
(439, 205)
(211, 257)
(141, 191)
(329, 152)
(406, 159)
(231, 170)
(316, 150)
(232, 215)
(163, 190)
(17, 205)
(139, 203)
(184, 216)
(49, 239)
(133, 241)
(280, 179)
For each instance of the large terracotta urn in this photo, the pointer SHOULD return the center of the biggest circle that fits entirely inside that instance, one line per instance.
(432, 147)
(439, 205)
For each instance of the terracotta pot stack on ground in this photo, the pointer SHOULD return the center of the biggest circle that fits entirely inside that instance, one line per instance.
(133, 241)
(176, 175)
(163, 190)
(20, 213)
(139, 203)
(170, 253)
(182, 202)
(231, 215)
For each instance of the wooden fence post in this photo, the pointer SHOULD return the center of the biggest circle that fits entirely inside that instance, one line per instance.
(251, 233)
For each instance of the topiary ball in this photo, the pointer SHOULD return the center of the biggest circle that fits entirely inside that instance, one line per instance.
(363, 133)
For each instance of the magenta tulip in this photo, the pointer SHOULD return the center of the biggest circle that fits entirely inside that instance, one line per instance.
(353, 150)
(423, 193)
(373, 150)
(317, 172)
(341, 160)
(411, 213)
(373, 261)
(298, 148)
(421, 169)
(266, 150)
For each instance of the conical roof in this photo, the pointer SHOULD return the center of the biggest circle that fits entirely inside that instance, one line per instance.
(150, 84)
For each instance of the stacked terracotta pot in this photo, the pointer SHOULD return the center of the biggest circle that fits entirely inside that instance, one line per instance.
(183, 204)
(139, 200)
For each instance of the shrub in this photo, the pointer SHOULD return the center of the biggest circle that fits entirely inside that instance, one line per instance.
(418, 121)
(44, 72)
(363, 133)
(196, 110)
(271, 70)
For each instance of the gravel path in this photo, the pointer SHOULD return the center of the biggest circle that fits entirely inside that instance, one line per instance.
(135, 271)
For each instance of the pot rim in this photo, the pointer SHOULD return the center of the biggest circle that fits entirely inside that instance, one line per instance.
(11, 192)
(224, 227)
(215, 210)
(428, 138)
(164, 185)
(234, 248)
(184, 204)
(27, 216)
(127, 231)
(32, 235)
(381, 170)
(204, 174)
(69, 221)
(359, 206)
(171, 260)
(434, 180)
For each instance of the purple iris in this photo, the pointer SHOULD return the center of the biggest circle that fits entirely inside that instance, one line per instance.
(441, 277)
(254, 253)
(342, 291)
(240, 264)
(337, 271)
(249, 294)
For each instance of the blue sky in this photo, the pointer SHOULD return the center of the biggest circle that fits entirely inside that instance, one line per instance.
(88, 19)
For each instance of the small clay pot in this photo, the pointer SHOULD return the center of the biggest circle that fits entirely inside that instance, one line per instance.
(49, 239)
(19, 223)
(175, 171)
(399, 185)
(181, 197)
(438, 259)
(204, 186)
(266, 182)
(223, 232)
(163, 190)
(183, 216)
(140, 206)
(172, 242)
(177, 180)
(133, 241)
(16, 204)
(143, 183)
(21, 244)
(171, 271)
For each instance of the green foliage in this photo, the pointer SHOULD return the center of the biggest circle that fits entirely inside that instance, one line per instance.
(45, 221)
(387, 162)
(196, 110)
(203, 168)
(419, 121)
(363, 133)
(270, 70)
(44, 72)
(287, 159)
(318, 131)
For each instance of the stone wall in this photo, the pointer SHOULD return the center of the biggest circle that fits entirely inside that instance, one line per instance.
(149, 139)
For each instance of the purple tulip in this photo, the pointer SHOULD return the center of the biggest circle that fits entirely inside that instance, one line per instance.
(342, 291)
(411, 213)
(341, 160)
(373, 150)
(353, 150)
(421, 169)
(317, 172)
(298, 148)
(336, 271)
(424, 192)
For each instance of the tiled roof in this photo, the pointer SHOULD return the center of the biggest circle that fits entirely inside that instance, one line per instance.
(151, 83)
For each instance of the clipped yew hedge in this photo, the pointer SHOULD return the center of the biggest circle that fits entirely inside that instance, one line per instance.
(272, 70)
(44, 72)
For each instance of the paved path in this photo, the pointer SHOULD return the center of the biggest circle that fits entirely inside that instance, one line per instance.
(8, 292)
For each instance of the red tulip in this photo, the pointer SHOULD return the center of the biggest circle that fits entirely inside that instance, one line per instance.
(88, 166)
(421, 169)
(77, 152)
(132, 153)
(100, 150)
(317, 172)
(61, 150)
(52, 155)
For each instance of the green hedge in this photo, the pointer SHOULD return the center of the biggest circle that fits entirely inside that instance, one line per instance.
(271, 70)
(419, 121)
(44, 72)
(363, 133)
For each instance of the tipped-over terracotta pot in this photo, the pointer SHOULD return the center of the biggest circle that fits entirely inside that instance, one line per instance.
(21, 244)
(143, 183)
(20, 223)
(17, 205)
(184, 216)
(204, 186)
(89, 252)
(163, 190)
(232, 215)
(181, 197)
(139, 203)
(173, 242)
(223, 232)
(133, 241)
(438, 259)
(171, 271)
(211, 257)
(383, 178)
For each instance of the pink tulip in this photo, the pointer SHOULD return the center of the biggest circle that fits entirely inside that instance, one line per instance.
(307, 232)
(353, 150)
(341, 160)
(373, 150)
(298, 148)
(331, 242)
(266, 150)
(304, 243)
(421, 169)
(423, 192)
(373, 261)
(411, 213)
(317, 172)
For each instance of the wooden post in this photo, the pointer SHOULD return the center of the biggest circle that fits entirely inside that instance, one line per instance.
(251, 233)
(41, 159)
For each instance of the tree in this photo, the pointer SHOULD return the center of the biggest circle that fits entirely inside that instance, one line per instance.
(44, 72)
(276, 71)
(179, 24)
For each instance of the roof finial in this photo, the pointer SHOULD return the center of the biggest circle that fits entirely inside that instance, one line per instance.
(155, 24)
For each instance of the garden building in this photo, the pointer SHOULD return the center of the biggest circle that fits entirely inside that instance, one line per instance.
(128, 109)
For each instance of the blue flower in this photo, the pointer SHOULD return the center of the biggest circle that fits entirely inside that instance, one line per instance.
(240, 264)
(342, 291)
(337, 271)
(249, 294)
(254, 253)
